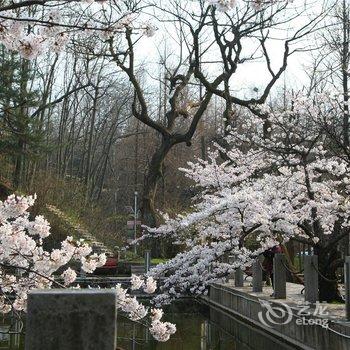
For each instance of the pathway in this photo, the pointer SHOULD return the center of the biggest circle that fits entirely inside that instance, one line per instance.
(80, 231)
(294, 297)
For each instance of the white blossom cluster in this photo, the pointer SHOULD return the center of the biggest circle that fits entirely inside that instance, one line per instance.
(32, 35)
(24, 263)
(272, 188)
(136, 311)
(14, 35)
(223, 5)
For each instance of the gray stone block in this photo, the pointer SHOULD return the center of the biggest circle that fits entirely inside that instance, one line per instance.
(239, 277)
(347, 286)
(311, 278)
(71, 320)
(257, 276)
(279, 276)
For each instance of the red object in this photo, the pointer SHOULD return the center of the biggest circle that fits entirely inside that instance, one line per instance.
(109, 268)
(111, 262)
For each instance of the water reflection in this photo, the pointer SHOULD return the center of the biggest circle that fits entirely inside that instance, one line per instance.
(198, 328)
(10, 334)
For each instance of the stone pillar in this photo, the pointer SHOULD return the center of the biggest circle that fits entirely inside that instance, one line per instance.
(238, 277)
(225, 259)
(60, 319)
(231, 259)
(279, 276)
(347, 286)
(311, 278)
(147, 260)
(257, 276)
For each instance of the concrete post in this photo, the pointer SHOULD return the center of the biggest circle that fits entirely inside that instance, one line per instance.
(231, 259)
(279, 276)
(347, 286)
(311, 278)
(147, 260)
(257, 276)
(71, 320)
(238, 277)
(225, 259)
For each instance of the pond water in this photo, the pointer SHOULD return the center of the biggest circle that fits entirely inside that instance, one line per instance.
(9, 334)
(199, 327)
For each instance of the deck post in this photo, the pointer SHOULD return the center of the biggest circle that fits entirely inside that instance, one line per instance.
(347, 286)
(311, 278)
(231, 259)
(279, 276)
(238, 277)
(147, 260)
(257, 276)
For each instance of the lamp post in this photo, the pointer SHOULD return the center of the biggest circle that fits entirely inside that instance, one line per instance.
(135, 220)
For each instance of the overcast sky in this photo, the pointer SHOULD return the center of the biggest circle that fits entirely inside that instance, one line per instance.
(251, 74)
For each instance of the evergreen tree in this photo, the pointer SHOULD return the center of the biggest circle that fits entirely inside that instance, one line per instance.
(20, 137)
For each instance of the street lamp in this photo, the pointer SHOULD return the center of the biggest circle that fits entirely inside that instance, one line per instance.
(135, 219)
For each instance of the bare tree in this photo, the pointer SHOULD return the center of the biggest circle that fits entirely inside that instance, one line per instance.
(204, 34)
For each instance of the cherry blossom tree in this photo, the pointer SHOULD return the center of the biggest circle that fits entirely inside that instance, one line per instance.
(217, 38)
(25, 265)
(228, 25)
(269, 190)
(35, 27)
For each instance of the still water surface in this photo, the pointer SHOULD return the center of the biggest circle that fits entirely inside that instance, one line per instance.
(199, 327)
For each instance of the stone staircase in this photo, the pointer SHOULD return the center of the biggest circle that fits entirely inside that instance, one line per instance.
(80, 232)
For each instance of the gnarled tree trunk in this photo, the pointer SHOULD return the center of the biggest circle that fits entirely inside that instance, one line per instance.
(154, 174)
(328, 261)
